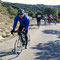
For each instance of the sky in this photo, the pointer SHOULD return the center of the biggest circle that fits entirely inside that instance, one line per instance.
(46, 2)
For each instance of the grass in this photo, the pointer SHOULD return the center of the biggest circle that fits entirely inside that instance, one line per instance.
(58, 20)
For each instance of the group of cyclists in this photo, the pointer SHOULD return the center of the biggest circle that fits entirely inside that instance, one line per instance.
(46, 18)
(24, 22)
(51, 18)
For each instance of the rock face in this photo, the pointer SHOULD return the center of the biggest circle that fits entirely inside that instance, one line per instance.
(4, 34)
(5, 25)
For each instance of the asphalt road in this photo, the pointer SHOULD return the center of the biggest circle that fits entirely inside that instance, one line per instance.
(44, 45)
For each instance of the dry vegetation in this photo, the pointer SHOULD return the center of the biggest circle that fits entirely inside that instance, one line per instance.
(5, 25)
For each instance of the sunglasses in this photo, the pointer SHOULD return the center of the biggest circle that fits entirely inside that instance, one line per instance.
(20, 14)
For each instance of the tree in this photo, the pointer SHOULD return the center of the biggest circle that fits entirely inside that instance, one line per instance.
(30, 13)
(0, 1)
(59, 13)
(50, 10)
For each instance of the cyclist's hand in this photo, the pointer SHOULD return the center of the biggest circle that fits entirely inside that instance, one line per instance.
(12, 31)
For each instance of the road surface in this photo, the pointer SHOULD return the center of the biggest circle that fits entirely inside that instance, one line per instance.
(44, 45)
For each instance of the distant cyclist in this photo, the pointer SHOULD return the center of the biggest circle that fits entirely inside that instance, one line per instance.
(45, 19)
(49, 19)
(55, 19)
(24, 23)
(38, 17)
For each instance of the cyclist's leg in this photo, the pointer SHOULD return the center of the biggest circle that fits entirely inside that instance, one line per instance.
(49, 21)
(37, 23)
(45, 21)
(26, 38)
(55, 21)
(20, 29)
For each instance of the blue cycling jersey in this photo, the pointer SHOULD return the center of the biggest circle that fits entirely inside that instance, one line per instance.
(23, 21)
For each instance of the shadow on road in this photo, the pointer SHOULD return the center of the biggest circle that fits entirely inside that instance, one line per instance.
(48, 51)
(54, 32)
(7, 52)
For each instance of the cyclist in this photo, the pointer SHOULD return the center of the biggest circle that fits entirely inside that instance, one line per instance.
(55, 19)
(38, 17)
(24, 23)
(49, 19)
(45, 19)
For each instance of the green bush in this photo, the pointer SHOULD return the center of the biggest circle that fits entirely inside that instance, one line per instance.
(0, 59)
(58, 20)
(11, 16)
(4, 10)
(31, 14)
(0, 7)
(11, 11)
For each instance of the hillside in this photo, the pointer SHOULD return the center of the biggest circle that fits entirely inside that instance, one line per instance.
(33, 9)
(56, 6)
(29, 7)
(5, 25)
(6, 21)
(26, 7)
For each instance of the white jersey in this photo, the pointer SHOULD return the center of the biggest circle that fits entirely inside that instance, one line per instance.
(38, 16)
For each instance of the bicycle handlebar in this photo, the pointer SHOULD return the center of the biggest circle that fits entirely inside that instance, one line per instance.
(19, 32)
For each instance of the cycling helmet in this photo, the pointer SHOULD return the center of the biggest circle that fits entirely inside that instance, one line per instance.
(20, 11)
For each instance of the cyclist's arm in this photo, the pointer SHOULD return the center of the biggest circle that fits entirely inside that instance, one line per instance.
(27, 24)
(15, 22)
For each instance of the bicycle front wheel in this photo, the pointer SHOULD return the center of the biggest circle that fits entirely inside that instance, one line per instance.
(17, 49)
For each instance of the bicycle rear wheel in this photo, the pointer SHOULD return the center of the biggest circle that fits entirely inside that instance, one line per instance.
(29, 40)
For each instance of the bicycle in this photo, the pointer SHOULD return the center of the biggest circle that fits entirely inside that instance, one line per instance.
(21, 37)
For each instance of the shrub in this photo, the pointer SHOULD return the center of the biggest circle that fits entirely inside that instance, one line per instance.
(11, 11)
(58, 20)
(4, 10)
(11, 16)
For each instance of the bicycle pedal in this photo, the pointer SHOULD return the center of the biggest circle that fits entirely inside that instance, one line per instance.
(18, 53)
